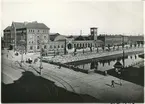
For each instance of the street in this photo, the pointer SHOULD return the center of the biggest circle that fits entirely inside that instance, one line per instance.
(94, 84)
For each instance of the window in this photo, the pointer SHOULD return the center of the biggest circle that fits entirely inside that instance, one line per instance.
(58, 46)
(38, 41)
(44, 37)
(61, 46)
(32, 41)
(31, 47)
(37, 47)
(38, 30)
(33, 30)
(54, 46)
(75, 45)
(91, 44)
(44, 46)
(50, 46)
(69, 46)
(86, 44)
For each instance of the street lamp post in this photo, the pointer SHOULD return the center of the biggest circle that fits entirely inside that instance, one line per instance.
(123, 50)
(22, 42)
(40, 54)
(123, 59)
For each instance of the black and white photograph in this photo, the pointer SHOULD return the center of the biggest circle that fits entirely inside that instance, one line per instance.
(69, 51)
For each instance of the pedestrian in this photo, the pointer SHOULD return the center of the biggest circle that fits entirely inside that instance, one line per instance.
(112, 83)
(59, 66)
(106, 73)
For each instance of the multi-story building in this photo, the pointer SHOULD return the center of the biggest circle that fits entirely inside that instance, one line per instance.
(136, 39)
(33, 34)
(113, 39)
(58, 42)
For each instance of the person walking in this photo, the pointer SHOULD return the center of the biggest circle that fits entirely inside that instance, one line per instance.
(112, 83)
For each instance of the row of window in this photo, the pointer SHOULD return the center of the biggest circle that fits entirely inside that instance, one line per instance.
(31, 47)
(75, 45)
(62, 46)
(44, 31)
(38, 37)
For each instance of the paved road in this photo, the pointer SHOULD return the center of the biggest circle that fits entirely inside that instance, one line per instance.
(92, 84)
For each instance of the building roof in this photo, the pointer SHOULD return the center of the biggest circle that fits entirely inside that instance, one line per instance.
(31, 25)
(52, 36)
(18, 25)
(36, 26)
(7, 28)
(80, 38)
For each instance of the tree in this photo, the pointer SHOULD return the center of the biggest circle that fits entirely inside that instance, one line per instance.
(91, 49)
(135, 45)
(97, 49)
(113, 47)
(103, 47)
(131, 45)
(109, 47)
(75, 50)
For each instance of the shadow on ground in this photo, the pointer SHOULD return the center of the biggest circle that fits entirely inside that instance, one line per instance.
(32, 89)
(131, 74)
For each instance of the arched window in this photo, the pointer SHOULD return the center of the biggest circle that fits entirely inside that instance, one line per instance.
(31, 47)
(69, 46)
(83, 44)
(58, 46)
(77, 45)
(86, 44)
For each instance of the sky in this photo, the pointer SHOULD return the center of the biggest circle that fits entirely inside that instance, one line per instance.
(69, 17)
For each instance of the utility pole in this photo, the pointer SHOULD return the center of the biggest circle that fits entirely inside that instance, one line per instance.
(40, 54)
(65, 47)
(22, 43)
(123, 51)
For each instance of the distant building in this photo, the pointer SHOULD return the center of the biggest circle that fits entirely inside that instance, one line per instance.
(113, 39)
(136, 39)
(58, 41)
(31, 32)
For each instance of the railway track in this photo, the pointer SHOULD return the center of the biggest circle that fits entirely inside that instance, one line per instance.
(56, 79)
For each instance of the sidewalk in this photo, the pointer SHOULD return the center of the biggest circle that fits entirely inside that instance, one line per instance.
(96, 85)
